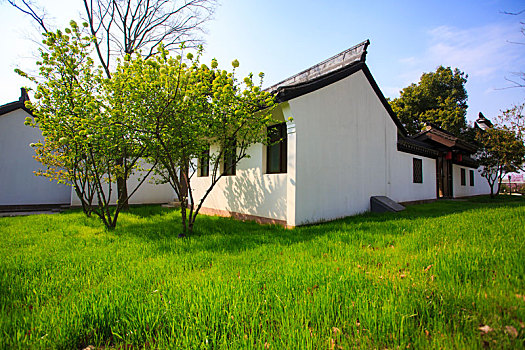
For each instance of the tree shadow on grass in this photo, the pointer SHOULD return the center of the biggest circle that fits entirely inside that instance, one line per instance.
(214, 233)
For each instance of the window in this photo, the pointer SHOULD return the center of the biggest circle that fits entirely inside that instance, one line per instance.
(230, 158)
(417, 170)
(463, 177)
(276, 151)
(204, 163)
(471, 173)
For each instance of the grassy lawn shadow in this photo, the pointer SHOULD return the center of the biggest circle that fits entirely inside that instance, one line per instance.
(214, 233)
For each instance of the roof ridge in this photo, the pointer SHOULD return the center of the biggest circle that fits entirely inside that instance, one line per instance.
(19, 104)
(356, 53)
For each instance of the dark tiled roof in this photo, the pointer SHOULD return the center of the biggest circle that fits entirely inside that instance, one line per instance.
(438, 135)
(410, 145)
(20, 104)
(330, 71)
(350, 56)
(482, 122)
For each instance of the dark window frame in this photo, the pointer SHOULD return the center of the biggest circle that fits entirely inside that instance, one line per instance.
(417, 170)
(277, 139)
(204, 164)
(463, 177)
(471, 175)
(229, 164)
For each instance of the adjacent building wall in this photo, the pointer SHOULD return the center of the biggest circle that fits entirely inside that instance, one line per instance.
(147, 193)
(18, 183)
(250, 191)
(480, 187)
(402, 187)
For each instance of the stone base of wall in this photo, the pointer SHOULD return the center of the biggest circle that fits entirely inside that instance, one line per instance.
(243, 217)
(33, 207)
(421, 201)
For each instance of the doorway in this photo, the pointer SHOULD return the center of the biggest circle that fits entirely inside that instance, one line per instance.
(444, 177)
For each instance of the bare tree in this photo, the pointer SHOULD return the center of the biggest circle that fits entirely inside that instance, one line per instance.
(518, 79)
(30, 9)
(124, 27)
(127, 26)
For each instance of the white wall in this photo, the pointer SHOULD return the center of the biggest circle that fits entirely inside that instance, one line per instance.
(345, 139)
(147, 193)
(402, 187)
(250, 191)
(18, 184)
(481, 185)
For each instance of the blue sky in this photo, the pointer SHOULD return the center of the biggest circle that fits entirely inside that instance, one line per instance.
(282, 38)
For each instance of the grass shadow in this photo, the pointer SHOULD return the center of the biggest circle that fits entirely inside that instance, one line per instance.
(230, 235)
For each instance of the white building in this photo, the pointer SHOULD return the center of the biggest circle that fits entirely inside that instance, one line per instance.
(19, 187)
(344, 145)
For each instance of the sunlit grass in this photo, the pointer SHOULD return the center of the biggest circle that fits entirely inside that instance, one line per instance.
(427, 277)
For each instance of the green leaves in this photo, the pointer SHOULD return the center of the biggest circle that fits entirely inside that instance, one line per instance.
(502, 151)
(181, 107)
(166, 109)
(439, 97)
(85, 138)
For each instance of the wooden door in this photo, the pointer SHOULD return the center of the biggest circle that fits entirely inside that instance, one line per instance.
(444, 182)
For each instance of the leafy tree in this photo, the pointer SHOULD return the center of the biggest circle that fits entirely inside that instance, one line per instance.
(439, 98)
(84, 136)
(122, 27)
(191, 107)
(501, 152)
(514, 119)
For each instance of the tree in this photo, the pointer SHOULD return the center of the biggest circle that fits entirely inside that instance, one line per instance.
(122, 27)
(193, 110)
(84, 136)
(439, 98)
(501, 152)
(514, 119)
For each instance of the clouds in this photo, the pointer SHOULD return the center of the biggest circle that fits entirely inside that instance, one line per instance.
(481, 52)
(486, 53)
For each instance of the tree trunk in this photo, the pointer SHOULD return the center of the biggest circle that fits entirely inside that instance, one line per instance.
(184, 199)
(122, 188)
(499, 186)
(183, 205)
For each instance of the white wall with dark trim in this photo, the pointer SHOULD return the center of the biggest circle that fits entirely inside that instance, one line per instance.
(402, 187)
(480, 187)
(250, 191)
(344, 138)
(18, 183)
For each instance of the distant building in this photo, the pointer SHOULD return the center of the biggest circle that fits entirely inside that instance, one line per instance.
(482, 122)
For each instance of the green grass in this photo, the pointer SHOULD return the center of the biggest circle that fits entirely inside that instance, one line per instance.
(427, 277)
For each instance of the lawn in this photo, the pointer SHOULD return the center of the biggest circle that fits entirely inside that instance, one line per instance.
(448, 274)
